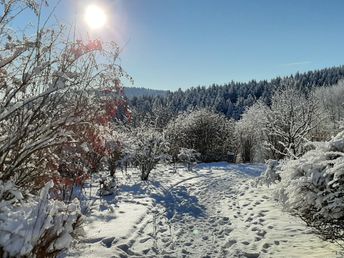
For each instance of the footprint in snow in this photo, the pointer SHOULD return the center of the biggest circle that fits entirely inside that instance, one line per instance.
(257, 239)
(255, 229)
(107, 242)
(261, 214)
(144, 240)
(229, 243)
(266, 245)
(251, 255)
(261, 233)
(249, 219)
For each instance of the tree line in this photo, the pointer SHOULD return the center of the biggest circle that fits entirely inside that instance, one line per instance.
(230, 99)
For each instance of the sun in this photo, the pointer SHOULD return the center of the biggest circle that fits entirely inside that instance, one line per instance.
(95, 17)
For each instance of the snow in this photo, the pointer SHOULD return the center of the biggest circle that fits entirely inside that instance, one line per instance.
(261, 227)
(27, 226)
(213, 211)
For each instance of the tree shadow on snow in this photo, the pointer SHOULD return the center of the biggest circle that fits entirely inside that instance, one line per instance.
(177, 201)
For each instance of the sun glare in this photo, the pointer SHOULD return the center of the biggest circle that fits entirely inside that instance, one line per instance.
(95, 16)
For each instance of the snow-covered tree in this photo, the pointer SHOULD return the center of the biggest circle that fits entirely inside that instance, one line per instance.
(250, 133)
(47, 87)
(331, 102)
(291, 118)
(148, 148)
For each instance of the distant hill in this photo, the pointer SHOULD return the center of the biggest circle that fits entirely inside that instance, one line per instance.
(131, 92)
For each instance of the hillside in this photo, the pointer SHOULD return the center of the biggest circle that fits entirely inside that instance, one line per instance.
(232, 98)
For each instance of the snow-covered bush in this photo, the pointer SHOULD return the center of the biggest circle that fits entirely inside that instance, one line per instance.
(188, 157)
(114, 159)
(148, 148)
(250, 133)
(210, 134)
(271, 174)
(120, 144)
(37, 226)
(312, 187)
(116, 144)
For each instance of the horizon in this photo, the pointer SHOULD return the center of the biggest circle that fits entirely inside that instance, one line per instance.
(172, 44)
(232, 81)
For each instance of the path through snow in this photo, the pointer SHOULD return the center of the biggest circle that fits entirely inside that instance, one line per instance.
(211, 212)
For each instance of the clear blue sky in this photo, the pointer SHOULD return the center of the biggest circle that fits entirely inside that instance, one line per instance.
(169, 44)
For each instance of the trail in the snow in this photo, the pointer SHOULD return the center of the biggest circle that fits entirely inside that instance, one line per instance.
(219, 214)
(186, 220)
(212, 212)
(204, 226)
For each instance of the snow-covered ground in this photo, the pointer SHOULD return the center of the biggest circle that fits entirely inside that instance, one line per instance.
(212, 211)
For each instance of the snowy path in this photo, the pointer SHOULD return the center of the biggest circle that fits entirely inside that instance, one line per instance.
(212, 212)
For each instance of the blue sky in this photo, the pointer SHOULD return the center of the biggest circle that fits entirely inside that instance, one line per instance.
(171, 44)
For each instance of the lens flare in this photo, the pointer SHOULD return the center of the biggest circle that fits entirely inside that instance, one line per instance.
(95, 17)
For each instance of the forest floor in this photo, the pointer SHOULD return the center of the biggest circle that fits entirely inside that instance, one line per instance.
(213, 211)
